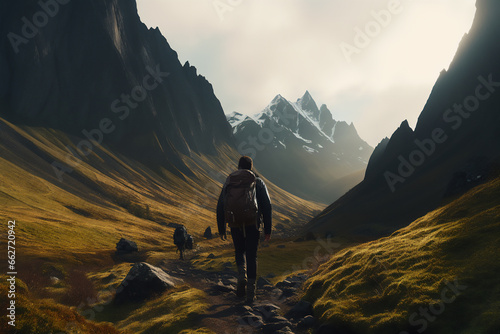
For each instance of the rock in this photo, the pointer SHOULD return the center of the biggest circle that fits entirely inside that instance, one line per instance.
(208, 233)
(261, 282)
(126, 246)
(211, 256)
(285, 330)
(220, 286)
(307, 322)
(252, 320)
(229, 280)
(297, 279)
(267, 311)
(288, 292)
(143, 281)
(271, 275)
(281, 246)
(286, 283)
(272, 328)
(300, 310)
(227, 264)
(277, 318)
(54, 280)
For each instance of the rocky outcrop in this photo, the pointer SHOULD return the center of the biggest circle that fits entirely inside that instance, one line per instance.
(95, 71)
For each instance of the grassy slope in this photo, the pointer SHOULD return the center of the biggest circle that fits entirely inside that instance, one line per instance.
(376, 287)
(108, 197)
(70, 229)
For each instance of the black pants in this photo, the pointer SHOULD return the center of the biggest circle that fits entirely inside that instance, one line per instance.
(245, 247)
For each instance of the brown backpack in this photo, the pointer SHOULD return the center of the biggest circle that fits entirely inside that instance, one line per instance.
(240, 205)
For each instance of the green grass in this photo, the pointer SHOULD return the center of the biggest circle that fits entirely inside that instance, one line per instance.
(376, 287)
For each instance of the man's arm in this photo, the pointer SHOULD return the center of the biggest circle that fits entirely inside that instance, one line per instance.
(265, 207)
(221, 224)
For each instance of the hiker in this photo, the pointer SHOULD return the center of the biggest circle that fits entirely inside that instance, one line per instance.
(243, 205)
(182, 240)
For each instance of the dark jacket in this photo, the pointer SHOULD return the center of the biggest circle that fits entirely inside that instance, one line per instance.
(263, 203)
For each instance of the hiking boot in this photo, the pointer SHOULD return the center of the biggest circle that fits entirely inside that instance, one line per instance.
(251, 291)
(242, 282)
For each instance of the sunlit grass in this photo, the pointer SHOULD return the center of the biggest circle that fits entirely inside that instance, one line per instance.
(375, 287)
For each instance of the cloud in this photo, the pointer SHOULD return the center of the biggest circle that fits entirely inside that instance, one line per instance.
(263, 48)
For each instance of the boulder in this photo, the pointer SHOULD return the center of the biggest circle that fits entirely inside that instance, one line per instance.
(126, 246)
(208, 233)
(143, 281)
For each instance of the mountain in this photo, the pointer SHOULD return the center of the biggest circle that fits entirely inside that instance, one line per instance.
(104, 134)
(77, 75)
(302, 149)
(453, 148)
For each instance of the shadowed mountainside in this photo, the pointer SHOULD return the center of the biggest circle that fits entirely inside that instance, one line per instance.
(453, 148)
(96, 60)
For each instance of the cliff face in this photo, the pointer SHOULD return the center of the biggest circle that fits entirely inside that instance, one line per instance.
(455, 145)
(90, 66)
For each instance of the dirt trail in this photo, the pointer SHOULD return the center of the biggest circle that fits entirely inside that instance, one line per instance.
(225, 311)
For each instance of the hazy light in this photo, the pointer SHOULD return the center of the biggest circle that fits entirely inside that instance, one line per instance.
(262, 48)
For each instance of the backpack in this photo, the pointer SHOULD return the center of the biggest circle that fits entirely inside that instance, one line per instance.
(180, 236)
(240, 203)
(189, 242)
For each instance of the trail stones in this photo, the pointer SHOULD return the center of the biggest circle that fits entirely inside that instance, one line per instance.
(262, 282)
(142, 282)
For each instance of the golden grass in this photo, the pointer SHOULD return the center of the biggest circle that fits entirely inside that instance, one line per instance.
(44, 316)
(74, 225)
(376, 287)
(108, 196)
(170, 313)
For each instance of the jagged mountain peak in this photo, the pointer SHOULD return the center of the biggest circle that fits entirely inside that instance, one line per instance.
(299, 134)
(307, 103)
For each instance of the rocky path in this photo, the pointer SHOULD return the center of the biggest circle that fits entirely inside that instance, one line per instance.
(277, 309)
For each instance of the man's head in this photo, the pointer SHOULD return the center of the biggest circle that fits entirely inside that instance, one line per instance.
(245, 163)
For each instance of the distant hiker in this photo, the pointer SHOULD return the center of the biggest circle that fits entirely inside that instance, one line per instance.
(243, 205)
(182, 240)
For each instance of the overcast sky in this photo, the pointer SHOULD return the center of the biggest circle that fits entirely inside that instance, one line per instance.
(252, 50)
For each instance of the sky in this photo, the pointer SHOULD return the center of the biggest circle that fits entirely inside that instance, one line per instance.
(372, 62)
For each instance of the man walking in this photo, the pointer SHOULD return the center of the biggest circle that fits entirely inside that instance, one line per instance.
(244, 204)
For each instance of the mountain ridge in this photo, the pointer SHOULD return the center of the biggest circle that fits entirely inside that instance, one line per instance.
(451, 149)
(316, 150)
